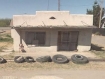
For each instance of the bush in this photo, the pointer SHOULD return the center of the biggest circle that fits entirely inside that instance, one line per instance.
(5, 39)
(4, 22)
(97, 33)
(8, 36)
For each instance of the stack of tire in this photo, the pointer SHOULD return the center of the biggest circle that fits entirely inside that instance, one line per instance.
(60, 59)
(29, 59)
(79, 59)
(21, 59)
(44, 59)
(2, 60)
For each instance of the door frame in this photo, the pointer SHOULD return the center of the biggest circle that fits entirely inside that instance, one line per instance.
(59, 42)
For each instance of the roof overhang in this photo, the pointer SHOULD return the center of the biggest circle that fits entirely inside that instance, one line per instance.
(51, 27)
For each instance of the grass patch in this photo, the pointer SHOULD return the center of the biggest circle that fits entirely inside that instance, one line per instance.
(5, 39)
(51, 65)
(98, 50)
(98, 33)
(5, 45)
(8, 35)
(99, 53)
(2, 48)
(9, 57)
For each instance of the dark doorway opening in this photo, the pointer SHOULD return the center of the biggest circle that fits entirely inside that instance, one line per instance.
(67, 40)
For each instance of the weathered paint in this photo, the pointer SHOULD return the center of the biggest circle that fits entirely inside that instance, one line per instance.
(41, 19)
(84, 39)
(63, 18)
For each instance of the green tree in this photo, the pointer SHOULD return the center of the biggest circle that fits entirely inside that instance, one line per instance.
(89, 11)
(96, 13)
(4, 22)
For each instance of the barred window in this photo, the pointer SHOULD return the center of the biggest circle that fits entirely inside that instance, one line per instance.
(35, 38)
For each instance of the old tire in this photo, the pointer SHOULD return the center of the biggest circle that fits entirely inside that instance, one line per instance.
(60, 59)
(19, 59)
(44, 59)
(2, 60)
(79, 59)
(29, 59)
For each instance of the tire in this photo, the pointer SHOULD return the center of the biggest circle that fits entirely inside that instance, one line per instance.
(79, 59)
(60, 59)
(44, 59)
(29, 59)
(2, 60)
(19, 59)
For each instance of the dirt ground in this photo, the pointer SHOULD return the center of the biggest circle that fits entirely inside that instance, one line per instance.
(52, 74)
(6, 45)
(98, 40)
(92, 70)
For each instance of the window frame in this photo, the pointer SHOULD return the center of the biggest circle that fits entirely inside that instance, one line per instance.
(35, 37)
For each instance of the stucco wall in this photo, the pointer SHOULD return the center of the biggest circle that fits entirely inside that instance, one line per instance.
(62, 18)
(16, 39)
(84, 40)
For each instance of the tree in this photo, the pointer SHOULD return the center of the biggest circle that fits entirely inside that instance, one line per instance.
(96, 13)
(89, 11)
(4, 22)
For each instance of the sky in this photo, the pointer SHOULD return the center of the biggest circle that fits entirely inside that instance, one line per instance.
(8, 8)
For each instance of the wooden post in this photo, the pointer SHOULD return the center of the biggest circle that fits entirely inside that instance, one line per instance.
(58, 5)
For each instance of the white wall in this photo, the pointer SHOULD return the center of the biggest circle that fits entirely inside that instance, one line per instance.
(62, 18)
(84, 40)
(16, 39)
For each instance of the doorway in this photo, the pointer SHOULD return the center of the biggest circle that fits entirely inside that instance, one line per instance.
(67, 40)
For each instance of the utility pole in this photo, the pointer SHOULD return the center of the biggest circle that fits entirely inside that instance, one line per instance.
(58, 5)
(101, 9)
(48, 5)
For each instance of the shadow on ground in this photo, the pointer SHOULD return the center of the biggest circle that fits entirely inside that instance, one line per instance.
(97, 48)
(99, 31)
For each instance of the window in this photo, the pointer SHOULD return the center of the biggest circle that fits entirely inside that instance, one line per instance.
(35, 38)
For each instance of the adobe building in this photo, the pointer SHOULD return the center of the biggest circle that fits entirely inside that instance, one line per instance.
(52, 31)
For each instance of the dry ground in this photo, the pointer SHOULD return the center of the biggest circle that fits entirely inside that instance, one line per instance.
(51, 65)
(93, 70)
(12, 65)
(98, 40)
(12, 70)
(53, 74)
(6, 45)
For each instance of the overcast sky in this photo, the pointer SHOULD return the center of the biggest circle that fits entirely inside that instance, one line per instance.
(8, 8)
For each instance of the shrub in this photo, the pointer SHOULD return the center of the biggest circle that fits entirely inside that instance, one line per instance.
(5, 39)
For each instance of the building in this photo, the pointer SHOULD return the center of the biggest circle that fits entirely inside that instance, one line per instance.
(51, 31)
